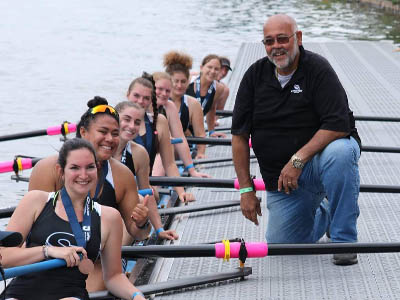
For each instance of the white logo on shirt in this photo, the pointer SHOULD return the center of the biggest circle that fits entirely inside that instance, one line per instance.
(296, 89)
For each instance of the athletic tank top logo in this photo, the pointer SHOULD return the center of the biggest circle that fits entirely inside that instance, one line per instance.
(61, 239)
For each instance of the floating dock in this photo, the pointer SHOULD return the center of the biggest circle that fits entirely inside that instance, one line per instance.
(370, 73)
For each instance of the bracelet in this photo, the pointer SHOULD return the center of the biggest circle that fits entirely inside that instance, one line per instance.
(189, 166)
(211, 132)
(136, 294)
(144, 225)
(45, 249)
(159, 230)
(246, 190)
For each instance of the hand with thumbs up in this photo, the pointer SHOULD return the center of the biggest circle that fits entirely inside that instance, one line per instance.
(140, 213)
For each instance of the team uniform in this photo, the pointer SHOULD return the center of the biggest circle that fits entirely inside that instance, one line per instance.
(50, 229)
(148, 140)
(205, 101)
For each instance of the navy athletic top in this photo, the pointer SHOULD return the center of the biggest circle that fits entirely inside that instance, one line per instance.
(127, 159)
(50, 229)
(107, 196)
(148, 140)
(184, 113)
(206, 105)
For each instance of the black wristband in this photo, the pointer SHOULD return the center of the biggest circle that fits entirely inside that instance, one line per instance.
(147, 223)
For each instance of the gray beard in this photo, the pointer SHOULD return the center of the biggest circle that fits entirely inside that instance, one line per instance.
(288, 61)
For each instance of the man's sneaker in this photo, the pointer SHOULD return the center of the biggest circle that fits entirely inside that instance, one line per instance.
(345, 259)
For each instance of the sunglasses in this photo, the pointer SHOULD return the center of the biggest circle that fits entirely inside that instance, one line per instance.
(103, 108)
(281, 39)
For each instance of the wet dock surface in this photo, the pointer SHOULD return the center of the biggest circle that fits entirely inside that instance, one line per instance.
(370, 73)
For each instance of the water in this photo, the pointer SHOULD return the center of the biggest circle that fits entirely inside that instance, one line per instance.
(55, 55)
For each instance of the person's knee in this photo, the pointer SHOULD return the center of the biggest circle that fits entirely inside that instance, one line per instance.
(340, 153)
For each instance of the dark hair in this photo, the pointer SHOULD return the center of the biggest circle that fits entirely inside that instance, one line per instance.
(177, 62)
(147, 81)
(210, 57)
(71, 145)
(88, 117)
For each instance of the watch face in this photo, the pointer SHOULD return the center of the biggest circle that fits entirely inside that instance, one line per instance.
(297, 163)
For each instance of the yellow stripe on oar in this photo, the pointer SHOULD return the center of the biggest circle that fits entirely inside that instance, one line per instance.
(227, 255)
(19, 163)
(66, 131)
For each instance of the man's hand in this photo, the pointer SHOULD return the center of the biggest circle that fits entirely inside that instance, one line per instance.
(288, 180)
(250, 206)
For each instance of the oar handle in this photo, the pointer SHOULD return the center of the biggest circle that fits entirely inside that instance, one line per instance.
(258, 184)
(145, 192)
(31, 268)
(253, 250)
(61, 129)
(22, 164)
(176, 141)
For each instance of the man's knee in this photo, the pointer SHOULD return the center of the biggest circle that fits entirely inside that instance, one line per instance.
(341, 152)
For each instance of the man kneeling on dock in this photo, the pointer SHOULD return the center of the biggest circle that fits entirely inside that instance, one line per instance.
(303, 133)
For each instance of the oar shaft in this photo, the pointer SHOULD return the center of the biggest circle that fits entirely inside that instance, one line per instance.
(211, 160)
(191, 181)
(8, 211)
(229, 113)
(376, 118)
(53, 130)
(194, 208)
(32, 268)
(23, 135)
(168, 251)
(331, 248)
(228, 142)
(209, 141)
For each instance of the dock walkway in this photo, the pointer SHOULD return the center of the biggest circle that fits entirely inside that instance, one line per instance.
(370, 73)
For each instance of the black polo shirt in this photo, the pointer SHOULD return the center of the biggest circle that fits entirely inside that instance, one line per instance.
(282, 120)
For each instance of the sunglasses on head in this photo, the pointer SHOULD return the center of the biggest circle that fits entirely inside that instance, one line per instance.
(103, 108)
(281, 39)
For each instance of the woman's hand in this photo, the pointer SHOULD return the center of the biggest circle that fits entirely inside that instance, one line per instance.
(69, 254)
(141, 212)
(217, 134)
(186, 197)
(168, 235)
(200, 155)
(194, 173)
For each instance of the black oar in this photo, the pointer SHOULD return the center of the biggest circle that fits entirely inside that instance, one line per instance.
(210, 161)
(207, 250)
(259, 184)
(229, 113)
(232, 183)
(63, 129)
(181, 283)
(228, 142)
(194, 208)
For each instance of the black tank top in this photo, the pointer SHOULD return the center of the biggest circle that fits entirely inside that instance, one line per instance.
(148, 140)
(184, 113)
(206, 106)
(107, 196)
(127, 159)
(50, 229)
